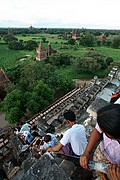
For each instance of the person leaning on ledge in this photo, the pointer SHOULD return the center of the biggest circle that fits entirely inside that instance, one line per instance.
(74, 139)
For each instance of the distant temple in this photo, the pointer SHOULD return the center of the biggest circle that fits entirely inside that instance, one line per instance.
(75, 34)
(102, 38)
(10, 33)
(64, 36)
(42, 52)
(31, 27)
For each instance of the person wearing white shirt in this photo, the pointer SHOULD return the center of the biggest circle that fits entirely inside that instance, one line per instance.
(74, 139)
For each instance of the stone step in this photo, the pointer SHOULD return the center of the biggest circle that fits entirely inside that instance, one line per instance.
(68, 166)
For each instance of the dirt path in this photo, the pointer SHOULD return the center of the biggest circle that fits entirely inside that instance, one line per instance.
(3, 123)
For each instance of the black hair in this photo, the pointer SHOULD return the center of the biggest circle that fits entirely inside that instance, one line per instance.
(38, 142)
(18, 128)
(35, 134)
(34, 127)
(70, 115)
(28, 136)
(47, 138)
(108, 119)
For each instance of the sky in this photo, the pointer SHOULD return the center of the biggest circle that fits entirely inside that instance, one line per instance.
(90, 14)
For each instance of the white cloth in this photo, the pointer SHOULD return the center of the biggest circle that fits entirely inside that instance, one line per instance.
(117, 102)
(44, 146)
(76, 137)
(25, 127)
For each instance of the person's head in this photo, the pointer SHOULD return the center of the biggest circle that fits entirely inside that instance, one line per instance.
(108, 119)
(70, 117)
(47, 138)
(19, 128)
(35, 134)
(38, 142)
(34, 127)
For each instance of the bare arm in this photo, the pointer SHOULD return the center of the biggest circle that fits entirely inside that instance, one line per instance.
(54, 148)
(94, 138)
(33, 141)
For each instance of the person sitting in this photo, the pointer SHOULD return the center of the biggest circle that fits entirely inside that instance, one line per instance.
(17, 131)
(37, 148)
(107, 129)
(74, 139)
(38, 130)
(25, 127)
(36, 137)
(50, 139)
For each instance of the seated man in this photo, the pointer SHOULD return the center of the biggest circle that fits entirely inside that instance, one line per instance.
(37, 148)
(36, 129)
(50, 139)
(74, 139)
(25, 127)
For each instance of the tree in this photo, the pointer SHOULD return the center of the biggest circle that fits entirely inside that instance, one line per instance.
(32, 72)
(33, 106)
(30, 45)
(65, 84)
(88, 40)
(114, 63)
(59, 60)
(99, 57)
(13, 106)
(116, 42)
(10, 87)
(43, 90)
(14, 115)
(71, 41)
(109, 60)
(14, 73)
(43, 39)
(90, 65)
(15, 45)
(40, 98)
(8, 38)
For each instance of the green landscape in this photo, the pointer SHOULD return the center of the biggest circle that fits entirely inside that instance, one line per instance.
(36, 84)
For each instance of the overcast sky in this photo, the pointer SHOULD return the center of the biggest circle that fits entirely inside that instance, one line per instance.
(103, 14)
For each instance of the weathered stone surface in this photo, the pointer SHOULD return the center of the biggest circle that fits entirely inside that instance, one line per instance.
(56, 124)
(46, 169)
(95, 105)
(68, 166)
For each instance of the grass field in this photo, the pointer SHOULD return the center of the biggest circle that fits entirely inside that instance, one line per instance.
(8, 58)
(56, 43)
(110, 52)
(71, 73)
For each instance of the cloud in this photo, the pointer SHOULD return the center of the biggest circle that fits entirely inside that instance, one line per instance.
(60, 13)
(10, 23)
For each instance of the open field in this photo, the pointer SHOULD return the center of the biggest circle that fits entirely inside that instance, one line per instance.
(76, 50)
(8, 58)
(110, 52)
